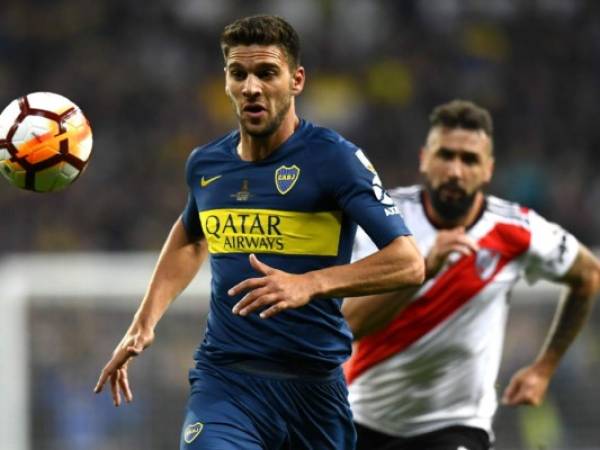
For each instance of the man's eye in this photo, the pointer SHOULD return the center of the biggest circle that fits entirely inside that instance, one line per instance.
(446, 156)
(266, 73)
(470, 160)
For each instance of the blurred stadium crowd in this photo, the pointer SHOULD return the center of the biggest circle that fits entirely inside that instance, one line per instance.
(149, 77)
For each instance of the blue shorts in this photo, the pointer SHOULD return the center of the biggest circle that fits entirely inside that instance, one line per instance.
(232, 409)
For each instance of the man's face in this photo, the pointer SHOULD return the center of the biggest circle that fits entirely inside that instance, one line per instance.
(456, 164)
(261, 86)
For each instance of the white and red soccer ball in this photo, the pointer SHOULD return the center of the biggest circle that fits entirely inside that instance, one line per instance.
(45, 142)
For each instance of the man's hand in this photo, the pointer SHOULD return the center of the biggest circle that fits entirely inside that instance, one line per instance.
(277, 288)
(446, 242)
(132, 344)
(527, 387)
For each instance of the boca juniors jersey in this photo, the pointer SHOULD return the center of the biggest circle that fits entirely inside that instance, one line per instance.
(296, 210)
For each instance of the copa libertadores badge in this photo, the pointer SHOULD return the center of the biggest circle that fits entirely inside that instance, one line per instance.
(286, 177)
(192, 431)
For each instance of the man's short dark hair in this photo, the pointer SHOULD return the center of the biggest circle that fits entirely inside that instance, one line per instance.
(263, 30)
(462, 114)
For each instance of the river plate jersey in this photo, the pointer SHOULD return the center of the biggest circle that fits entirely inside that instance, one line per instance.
(435, 365)
(297, 211)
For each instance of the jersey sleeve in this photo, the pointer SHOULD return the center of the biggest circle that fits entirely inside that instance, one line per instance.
(360, 194)
(191, 219)
(552, 250)
(190, 216)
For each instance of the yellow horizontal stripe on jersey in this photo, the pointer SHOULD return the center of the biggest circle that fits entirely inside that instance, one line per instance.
(243, 230)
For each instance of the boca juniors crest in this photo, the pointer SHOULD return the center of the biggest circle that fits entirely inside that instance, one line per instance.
(286, 177)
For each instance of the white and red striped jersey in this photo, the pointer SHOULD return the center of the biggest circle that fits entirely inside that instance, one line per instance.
(436, 364)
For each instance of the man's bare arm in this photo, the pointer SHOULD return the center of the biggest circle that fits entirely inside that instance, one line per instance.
(369, 314)
(396, 265)
(528, 386)
(178, 263)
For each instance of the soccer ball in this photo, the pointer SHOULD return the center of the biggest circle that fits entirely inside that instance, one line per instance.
(45, 142)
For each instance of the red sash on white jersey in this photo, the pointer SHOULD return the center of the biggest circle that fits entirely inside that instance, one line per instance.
(451, 289)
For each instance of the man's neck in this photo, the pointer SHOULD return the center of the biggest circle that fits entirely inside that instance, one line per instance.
(466, 220)
(252, 148)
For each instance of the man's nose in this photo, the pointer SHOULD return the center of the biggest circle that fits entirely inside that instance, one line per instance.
(251, 87)
(455, 168)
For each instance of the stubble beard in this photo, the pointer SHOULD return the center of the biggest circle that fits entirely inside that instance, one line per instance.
(270, 127)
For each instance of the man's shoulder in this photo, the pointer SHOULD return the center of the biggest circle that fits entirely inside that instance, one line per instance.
(506, 209)
(402, 194)
(217, 146)
(328, 140)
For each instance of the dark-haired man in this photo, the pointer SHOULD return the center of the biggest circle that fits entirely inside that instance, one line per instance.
(423, 371)
(268, 373)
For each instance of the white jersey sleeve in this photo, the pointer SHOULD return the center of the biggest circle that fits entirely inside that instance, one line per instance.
(363, 245)
(552, 250)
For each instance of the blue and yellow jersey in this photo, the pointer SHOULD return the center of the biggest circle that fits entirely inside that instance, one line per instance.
(297, 210)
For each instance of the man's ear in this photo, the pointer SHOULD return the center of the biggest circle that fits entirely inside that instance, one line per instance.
(298, 79)
(227, 92)
(423, 159)
(489, 170)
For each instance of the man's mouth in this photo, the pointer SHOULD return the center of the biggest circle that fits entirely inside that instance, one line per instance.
(254, 110)
(450, 200)
(452, 192)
